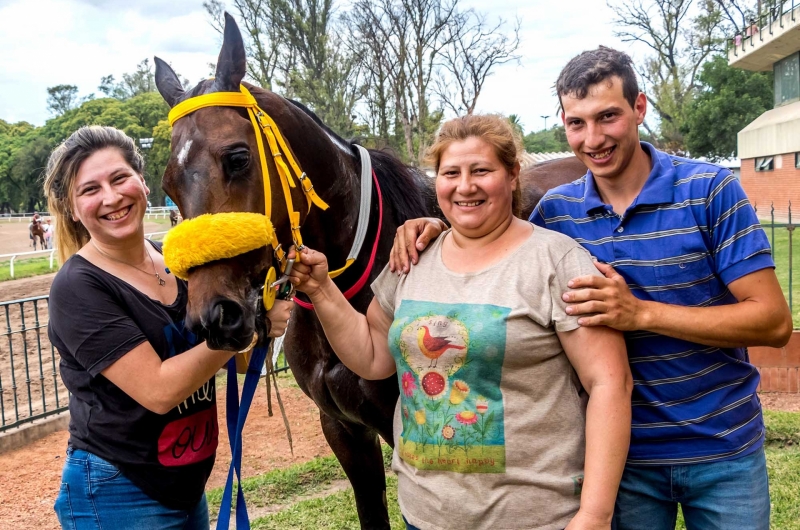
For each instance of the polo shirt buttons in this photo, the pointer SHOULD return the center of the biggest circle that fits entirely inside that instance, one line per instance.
(620, 229)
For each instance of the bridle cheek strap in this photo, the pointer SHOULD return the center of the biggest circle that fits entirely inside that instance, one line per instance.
(362, 281)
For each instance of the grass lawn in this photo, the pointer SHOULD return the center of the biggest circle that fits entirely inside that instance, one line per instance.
(26, 267)
(296, 497)
(23, 268)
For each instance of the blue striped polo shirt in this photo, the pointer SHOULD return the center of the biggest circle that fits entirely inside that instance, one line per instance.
(689, 233)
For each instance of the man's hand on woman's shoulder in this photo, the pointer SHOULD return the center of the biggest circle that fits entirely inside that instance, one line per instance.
(411, 239)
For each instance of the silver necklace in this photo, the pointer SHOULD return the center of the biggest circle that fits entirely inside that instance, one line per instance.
(161, 280)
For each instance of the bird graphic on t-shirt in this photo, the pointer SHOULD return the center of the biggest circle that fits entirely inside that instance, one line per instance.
(433, 347)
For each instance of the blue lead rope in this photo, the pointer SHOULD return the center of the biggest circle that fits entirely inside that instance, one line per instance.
(236, 414)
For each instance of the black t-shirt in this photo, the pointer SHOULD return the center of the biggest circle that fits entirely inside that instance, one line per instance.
(95, 319)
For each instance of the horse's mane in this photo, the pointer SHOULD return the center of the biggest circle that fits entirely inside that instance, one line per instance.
(397, 181)
(310, 113)
(395, 178)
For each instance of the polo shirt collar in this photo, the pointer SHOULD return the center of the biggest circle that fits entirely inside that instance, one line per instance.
(658, 189)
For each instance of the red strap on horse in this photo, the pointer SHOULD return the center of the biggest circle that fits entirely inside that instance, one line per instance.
(351, 292)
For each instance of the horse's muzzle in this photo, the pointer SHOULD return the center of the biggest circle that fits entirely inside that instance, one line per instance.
(225, 324)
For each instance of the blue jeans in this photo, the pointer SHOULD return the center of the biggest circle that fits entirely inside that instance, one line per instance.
(409, 526)
(96, 495)
(732, 494)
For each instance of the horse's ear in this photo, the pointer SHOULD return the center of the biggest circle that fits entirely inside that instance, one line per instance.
(168, 84)
(232, 62)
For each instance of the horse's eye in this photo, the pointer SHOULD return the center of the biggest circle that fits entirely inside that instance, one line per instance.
(236, 162)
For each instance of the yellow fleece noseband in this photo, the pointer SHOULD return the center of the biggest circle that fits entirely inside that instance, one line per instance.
(211, 237)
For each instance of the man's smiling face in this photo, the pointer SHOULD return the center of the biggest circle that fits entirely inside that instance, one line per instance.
(602, 128)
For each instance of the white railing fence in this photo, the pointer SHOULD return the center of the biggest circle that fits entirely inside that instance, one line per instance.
(52, 252)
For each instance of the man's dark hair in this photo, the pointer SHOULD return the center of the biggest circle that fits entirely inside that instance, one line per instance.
(594, 66)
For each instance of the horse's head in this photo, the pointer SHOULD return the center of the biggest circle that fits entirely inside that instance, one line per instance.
(214, 167)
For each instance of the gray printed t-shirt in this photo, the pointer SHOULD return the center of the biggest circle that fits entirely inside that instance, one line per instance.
(489, 428)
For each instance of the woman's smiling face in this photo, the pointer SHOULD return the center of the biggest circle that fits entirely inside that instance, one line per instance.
(109, 197)
(474, 189)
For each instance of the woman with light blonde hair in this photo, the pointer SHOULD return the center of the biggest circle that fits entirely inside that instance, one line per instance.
(143, 418)
(511, 415)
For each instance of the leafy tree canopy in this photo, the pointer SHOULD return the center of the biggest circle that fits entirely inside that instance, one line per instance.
(552, 140)
(729, 99)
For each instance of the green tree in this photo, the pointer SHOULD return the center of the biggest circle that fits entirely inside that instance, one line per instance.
(679, 44)
(140, 81)
(61, 98)
(729, 99)
(24, 178)
(13, 137)
(552, 140)
(515, 122)
(157, 158)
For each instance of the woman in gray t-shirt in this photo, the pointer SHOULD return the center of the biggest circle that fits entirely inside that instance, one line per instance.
(510, 415)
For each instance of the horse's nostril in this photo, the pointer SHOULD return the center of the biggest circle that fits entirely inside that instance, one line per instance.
(225, 315)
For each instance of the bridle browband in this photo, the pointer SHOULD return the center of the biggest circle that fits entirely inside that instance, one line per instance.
(211, 237)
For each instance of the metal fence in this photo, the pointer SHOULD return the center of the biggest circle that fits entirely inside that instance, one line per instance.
(30, 381)
(779, 227)
(781, 12)
(30, 385)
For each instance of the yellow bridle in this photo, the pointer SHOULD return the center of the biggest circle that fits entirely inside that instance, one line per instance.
(281, 154)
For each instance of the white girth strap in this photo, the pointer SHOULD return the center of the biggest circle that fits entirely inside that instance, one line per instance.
(366, 202)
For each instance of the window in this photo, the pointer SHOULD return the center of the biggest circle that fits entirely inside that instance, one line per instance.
(787, 80)
(797, 160)
(766, 163)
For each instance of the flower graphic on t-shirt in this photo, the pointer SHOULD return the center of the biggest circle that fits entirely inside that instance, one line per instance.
(459, 392)
(482, 405)
(419, 417)
(408, 384)
(467, 417)
(448, 432)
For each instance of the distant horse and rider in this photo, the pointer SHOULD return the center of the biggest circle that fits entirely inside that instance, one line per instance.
(353, 412)
(37, 230)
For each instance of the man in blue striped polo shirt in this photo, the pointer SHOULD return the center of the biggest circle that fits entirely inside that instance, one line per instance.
(690, 278)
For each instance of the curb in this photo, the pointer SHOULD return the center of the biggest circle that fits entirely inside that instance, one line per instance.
(28, 433)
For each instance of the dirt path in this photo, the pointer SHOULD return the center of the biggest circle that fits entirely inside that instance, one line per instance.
(30, 477)
(14, 235)
(26, 287)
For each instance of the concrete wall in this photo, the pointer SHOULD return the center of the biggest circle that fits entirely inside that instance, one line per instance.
(30, 432)
(775, 131)
(779, 367)
(778, 186)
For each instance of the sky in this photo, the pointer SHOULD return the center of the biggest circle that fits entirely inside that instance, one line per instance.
(51, 42)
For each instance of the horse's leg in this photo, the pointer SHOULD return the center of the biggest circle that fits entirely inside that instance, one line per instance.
(359, 452)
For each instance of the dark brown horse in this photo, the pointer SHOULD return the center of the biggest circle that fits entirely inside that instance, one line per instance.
(536, 180)
(37, 234)
(173, 217)
(214, 167)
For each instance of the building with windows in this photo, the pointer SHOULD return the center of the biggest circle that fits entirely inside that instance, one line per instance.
(769, 147)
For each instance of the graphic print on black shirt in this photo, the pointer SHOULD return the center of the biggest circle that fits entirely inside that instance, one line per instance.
(95, 319)
(193, 436)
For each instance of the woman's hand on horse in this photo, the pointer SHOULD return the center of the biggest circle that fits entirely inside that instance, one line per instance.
(279, 317)
(411, 238)
(310, 271)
